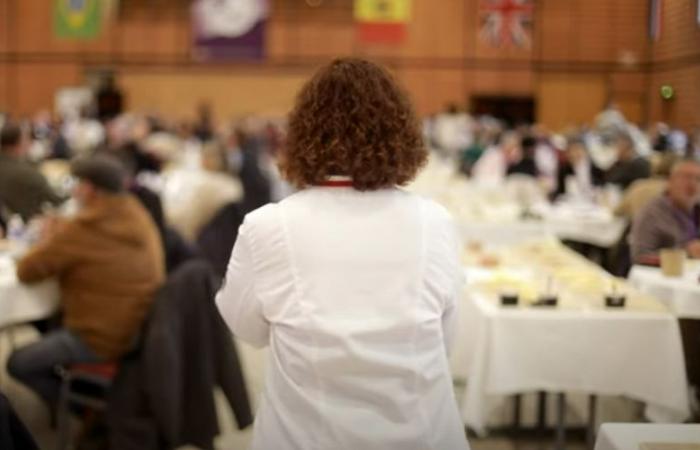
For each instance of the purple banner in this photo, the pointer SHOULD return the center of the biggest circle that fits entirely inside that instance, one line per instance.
(229, 29)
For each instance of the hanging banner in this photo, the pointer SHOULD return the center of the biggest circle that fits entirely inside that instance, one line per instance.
(229, 29)
(506, 23)
(77, 19)
(655, 19)
(382, 21)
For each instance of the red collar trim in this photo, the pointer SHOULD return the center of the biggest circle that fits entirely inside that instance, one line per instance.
(336, 183)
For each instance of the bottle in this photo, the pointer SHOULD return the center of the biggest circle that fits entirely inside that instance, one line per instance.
(15, 228)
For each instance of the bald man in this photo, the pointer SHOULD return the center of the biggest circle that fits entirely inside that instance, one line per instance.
(671, 220)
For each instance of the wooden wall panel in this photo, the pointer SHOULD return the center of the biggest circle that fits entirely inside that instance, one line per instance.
(629, 90)
(441, 61)
(5, 29)
(436, 31)
(500, 82)
(676, 61)
(680, 34)
(555, 29)
(319, 40)
(4, 87)
(684, 109)
(591, 31)
(564, 100)
(230, 94)
(156, 32)
(432, 89)
(34, 85)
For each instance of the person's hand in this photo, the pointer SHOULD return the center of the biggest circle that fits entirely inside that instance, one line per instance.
(693, 248)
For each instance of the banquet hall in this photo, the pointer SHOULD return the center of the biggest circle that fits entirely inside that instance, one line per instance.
(350, 224)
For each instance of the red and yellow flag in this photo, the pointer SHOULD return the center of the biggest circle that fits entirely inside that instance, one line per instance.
(382, 21)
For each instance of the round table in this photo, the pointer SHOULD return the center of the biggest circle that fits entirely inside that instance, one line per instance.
(20, 303)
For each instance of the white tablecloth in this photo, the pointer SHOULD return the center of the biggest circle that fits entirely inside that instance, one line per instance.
(22, 303)
(492, 213)
(628, 436)
(637, 354)
(596, 226)
(681, 295)
(603, 233)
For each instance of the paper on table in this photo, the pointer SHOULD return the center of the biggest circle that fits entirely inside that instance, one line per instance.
(579, 283)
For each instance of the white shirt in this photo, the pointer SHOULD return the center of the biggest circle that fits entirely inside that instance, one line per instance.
(355, 292)
(491, 168)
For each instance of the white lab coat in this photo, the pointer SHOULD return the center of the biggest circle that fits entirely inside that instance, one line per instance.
(355, 292)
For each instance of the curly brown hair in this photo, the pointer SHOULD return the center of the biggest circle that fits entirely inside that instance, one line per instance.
(351, 118)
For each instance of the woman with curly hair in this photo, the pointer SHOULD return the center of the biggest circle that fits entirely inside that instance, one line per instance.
(352, 281)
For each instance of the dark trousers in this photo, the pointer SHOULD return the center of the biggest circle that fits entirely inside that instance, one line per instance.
(35, 364)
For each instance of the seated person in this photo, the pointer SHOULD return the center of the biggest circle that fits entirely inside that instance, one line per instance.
(108, 260)
(629, 166)
(672, 219)
(23, 189)
(492, 167)
(526, 165)
(578, 167)
(641, 192)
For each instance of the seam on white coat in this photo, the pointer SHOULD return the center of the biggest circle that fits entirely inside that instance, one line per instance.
(419, 297)
(297, 294)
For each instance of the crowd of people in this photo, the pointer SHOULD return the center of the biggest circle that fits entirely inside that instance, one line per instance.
(84, 202)
(656, 172)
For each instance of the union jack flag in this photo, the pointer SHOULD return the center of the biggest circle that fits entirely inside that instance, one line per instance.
(506, 22)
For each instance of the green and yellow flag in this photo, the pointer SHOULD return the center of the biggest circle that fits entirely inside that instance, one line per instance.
(77, 19)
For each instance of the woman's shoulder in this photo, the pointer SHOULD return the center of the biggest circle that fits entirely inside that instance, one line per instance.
(432, 210)
(264, 216)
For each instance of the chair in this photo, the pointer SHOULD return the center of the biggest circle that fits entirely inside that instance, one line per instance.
(99, 376)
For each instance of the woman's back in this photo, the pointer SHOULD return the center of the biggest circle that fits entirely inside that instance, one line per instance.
(352, 282)
(356, 288)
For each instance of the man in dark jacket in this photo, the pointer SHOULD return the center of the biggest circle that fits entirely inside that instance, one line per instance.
(23, 189)
(629, 166)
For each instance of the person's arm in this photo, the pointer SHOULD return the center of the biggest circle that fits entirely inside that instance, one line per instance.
(456, 288)
(237, 300)
(647, 235)
(51, 256)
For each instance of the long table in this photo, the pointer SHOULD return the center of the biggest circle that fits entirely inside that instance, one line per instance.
(579, 346)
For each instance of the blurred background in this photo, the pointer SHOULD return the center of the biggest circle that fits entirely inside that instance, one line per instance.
(552, 124)
(552, 62)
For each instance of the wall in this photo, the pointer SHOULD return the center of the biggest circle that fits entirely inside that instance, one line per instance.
(591, 44)
(676, 61)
